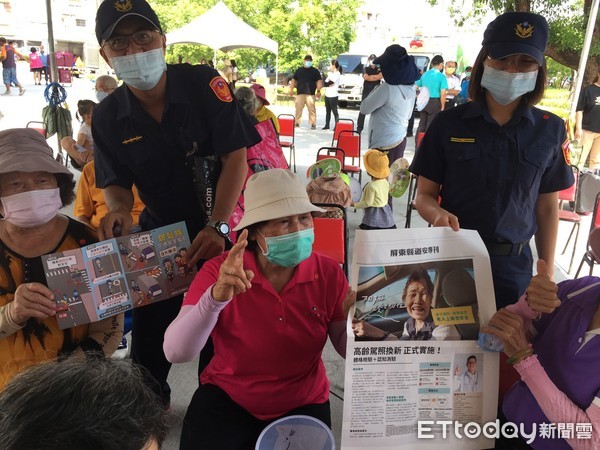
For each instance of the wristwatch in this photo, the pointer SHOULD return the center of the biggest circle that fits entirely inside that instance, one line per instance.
(221, 227)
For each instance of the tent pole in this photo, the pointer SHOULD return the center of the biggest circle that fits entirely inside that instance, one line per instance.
(276, 73)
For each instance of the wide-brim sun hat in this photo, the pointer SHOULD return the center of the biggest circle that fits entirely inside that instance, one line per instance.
(397, 66)
(26, 150)
(273, 194)
(377, 163)
(515, 33)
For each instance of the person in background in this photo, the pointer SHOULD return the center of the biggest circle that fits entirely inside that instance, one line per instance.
(44, 59)
(79, 403)
(105, 85)
(463, 96)
(9, 66)
(81, 150)
(453, 84)
(35, 65)
(378, 214)
(270, 277)
(234, 74)
(552, 339)
(436, 82)
(391, 104)
(332, 83)
(307, 79)
(372, 78)
(587, 124)
(203, 62)
(162, 123)
(33, 187)
(263, 113)
(90, 206)
(496, 164)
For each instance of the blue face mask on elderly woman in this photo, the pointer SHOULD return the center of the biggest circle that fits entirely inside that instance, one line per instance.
(506, 87)
(289, 250)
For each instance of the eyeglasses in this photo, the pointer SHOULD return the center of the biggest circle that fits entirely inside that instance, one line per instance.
(520, 64)
(120, 43)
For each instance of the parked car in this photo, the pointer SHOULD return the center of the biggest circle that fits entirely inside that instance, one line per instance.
(283, 78)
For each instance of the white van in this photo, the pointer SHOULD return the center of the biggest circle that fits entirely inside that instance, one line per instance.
(351, 81)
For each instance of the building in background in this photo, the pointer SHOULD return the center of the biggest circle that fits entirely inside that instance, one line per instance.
(25, 21)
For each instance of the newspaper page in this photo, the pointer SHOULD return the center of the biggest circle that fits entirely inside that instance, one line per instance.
(107, 278)
(414, 374)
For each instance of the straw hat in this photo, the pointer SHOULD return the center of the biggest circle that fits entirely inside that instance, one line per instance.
(272, 194)
(377, 163)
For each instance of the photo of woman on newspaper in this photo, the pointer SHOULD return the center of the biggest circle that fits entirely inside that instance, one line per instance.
(443, 289)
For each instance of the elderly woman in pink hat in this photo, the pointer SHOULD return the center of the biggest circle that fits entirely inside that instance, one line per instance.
(263, 113)
(33, 187)
(269, 305)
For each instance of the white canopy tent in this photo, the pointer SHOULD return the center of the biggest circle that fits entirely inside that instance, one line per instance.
(221, 29)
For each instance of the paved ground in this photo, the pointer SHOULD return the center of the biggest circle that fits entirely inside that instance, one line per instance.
(18, 110)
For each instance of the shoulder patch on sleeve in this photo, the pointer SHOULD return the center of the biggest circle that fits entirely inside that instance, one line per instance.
(221, 89)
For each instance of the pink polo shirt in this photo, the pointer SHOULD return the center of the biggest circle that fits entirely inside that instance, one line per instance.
(267, 345)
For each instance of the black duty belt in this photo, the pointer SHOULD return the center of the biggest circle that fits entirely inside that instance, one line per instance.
(505, 249)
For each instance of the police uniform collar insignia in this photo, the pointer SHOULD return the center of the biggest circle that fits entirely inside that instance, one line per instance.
(132, 140)
(524, 30)
(221, 89)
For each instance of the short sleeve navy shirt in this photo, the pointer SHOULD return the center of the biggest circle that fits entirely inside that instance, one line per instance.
(491, 175)
(201, 115)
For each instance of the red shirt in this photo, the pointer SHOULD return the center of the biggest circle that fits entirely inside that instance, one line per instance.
(267, 345)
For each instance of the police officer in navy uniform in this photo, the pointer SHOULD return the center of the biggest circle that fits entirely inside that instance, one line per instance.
(372, 78)
(498, 162)
(149, 132)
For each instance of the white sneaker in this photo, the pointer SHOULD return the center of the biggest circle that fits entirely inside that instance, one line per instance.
(22, 91)
(6, 93)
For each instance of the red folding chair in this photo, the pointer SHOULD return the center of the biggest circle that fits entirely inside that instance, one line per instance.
(570, 216)
(592, 253)
(332, 152)
(37, 126)
(349, 141)
(287, 136)
(341, 125)
(331, 236)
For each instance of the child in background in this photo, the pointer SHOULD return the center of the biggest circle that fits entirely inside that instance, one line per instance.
(378, 213)
(81, 150)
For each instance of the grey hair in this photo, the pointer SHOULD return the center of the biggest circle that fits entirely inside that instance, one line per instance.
(247, 99)
(95, 404)
(108, 81)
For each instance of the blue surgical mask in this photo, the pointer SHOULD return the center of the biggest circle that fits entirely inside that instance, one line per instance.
(289, 250)
(506, 87)
(308, 63)
(142, 70)
(101, 95)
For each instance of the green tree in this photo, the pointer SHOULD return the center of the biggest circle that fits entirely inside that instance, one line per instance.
(323, 28)
(567, 20)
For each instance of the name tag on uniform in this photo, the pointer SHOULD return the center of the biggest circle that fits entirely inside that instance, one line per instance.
(463, 140)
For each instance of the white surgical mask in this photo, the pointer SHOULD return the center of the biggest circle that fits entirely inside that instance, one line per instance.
(101, 95)
(506, 87)
(140, 70)
(32, 208)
